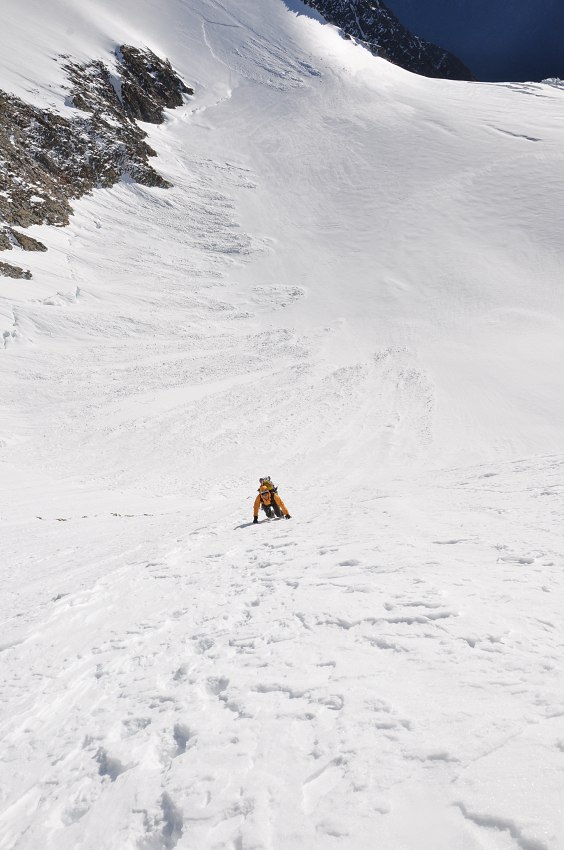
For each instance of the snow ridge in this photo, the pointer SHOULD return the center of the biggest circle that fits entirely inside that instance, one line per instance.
(376, 26)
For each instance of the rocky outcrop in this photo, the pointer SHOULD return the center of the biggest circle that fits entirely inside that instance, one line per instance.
(143, 87)
(14, 239)
(372, 23)
(9, 270)
(49, 159)
(149, 85)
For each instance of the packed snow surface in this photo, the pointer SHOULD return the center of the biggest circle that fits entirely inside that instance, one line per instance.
(354, 286)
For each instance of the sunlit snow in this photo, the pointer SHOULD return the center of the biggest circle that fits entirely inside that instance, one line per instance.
(354, 286)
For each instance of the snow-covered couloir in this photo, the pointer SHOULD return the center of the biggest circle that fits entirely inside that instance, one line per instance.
(353, 285)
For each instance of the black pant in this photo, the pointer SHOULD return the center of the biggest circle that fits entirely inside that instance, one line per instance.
(272, 509)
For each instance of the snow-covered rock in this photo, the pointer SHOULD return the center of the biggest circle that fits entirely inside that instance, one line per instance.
(50, 159)
(375, 25)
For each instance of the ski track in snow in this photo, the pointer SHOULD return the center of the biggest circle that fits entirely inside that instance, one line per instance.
(338, 291)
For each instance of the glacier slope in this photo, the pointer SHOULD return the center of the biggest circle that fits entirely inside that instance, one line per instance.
(354, 285)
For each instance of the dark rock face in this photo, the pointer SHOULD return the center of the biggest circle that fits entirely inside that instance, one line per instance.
(34, 147)
(27, 243)
(8, 270)
(149, 84)
(372, 23)
(143, 88)
(49, 159)
(12, 238)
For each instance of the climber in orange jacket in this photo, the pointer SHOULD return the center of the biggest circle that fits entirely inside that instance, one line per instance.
(270, 501)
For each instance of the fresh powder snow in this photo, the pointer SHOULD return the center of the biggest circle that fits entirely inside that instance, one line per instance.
(355, 286)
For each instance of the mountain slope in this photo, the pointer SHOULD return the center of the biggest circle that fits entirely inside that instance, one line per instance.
(353, 285)
(376, 26)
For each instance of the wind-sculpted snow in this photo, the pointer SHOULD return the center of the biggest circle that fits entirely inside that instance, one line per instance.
(353, 285)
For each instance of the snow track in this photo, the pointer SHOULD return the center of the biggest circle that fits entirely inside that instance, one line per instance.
(241, 684)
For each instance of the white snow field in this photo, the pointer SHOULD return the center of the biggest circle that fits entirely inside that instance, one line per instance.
(356, 287)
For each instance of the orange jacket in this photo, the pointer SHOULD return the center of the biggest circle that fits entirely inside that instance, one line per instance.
(267, 497)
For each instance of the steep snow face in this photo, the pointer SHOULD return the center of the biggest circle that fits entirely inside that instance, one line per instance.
(353, 285)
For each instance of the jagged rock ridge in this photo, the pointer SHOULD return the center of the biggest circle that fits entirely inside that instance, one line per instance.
(48, 159)
(146, 85)
(371, 22)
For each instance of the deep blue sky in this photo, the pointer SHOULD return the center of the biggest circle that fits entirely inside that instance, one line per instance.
(497, 39)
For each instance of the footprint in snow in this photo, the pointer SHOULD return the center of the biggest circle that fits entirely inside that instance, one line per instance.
(452, 542)
(109, 766)
(133, 725)
(163, 829)
(217, 684)
(181, 674)
(515, 559)
(181, 734)
(203, 644)
(321, 783)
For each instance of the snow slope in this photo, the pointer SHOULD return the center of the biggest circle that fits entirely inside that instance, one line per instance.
(354, 286)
